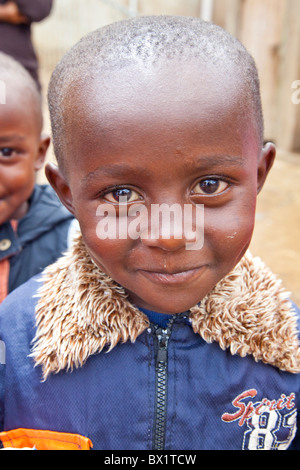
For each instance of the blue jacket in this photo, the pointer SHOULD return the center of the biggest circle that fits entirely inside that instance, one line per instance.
(42, 236)
(169, 389)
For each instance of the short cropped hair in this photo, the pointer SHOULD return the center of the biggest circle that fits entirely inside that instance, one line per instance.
(147, 40)
(13, 74)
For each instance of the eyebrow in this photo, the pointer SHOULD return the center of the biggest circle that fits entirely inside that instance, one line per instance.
(10, 138)
(219, 160)
(118, 170)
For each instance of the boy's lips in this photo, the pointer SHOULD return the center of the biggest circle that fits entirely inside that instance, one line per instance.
(179, 277)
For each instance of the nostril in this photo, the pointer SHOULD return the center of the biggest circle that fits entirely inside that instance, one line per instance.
(168, 244)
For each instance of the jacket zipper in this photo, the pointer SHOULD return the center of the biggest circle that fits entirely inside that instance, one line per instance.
(162, 336)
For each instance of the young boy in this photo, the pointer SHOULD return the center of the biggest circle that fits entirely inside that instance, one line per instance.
(201, 340)
(33, 223)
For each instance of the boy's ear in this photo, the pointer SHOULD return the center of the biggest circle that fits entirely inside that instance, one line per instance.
(41, 153)
(60, 185)
(265, 164)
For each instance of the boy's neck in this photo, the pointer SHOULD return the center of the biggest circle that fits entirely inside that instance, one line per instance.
(160, 319)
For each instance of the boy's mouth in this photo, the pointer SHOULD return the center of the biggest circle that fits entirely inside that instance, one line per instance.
(164, 277)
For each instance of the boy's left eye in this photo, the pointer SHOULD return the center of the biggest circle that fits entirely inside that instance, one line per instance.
(210, 186)
(122, 195)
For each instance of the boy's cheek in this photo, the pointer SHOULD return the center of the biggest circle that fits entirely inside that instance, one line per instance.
(108, 252)
(229, 233)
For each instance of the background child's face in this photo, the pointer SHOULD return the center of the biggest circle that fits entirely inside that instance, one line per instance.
(22, 153)
(159, 137)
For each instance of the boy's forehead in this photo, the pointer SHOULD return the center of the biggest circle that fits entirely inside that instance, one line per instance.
(158, 90)
(21, 100)
(149, 106)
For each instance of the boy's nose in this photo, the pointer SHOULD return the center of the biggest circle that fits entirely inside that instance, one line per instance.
(174, 227)
(167, 244)
(187, 239)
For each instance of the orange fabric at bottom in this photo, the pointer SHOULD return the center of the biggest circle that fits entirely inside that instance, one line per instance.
(44, 440)
(4, 276)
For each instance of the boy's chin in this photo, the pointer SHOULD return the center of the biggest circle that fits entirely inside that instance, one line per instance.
(8, 212)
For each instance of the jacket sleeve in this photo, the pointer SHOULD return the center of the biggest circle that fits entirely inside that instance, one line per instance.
(2, 375)
(2, 372)
(35, 10)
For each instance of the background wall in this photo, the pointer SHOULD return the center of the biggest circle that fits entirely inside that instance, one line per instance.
(270, 29)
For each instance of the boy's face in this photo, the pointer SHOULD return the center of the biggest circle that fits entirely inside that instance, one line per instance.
(22, 153)
(163, 139)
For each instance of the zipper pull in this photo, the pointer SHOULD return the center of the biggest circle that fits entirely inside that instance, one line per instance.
(162, 351)
(161, 357)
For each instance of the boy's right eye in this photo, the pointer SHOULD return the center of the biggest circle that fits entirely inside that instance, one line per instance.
(122, 194)
(6, 152)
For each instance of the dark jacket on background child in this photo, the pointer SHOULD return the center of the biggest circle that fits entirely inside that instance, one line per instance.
(38, 240)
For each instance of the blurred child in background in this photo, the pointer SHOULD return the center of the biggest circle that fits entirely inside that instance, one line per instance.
(34, 225)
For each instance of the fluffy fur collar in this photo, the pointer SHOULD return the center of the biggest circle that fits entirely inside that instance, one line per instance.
(81, 310)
